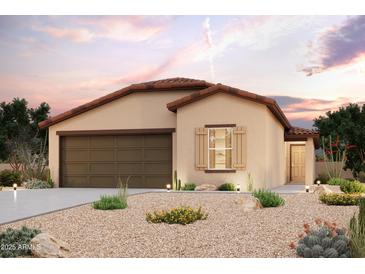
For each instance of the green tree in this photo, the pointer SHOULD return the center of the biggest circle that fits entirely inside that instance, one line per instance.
(19, 123)
(348, 125)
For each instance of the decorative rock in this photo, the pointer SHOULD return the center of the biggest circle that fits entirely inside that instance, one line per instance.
(322, 189)
(249, 203)
(206, 187)
(47, 246)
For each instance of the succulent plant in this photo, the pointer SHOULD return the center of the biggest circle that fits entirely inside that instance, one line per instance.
(325, 241)
(330, 253)
(307, 252)
(317, 251)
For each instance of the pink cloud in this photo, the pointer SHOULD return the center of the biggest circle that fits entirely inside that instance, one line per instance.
(78, 35)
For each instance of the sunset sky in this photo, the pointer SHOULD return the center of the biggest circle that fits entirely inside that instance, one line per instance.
(309, 64)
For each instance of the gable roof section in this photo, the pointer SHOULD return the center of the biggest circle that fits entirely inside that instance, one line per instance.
(201, 94)
(159, 85)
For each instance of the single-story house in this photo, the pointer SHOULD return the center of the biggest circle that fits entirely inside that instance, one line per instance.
(209, 133)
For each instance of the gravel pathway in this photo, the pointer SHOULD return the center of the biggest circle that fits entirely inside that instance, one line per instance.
(228, 232)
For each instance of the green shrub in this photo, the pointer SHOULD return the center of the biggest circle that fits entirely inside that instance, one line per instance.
(268, 198)
(352, 187)
(37, 184)
(336, 181)
(9, 177)
(227, 187)
(180, 215)
(189, 186)
(108, 202)
(111, 202)
(323, 177)
(16, 242)
(357, 232)
(325, 240)
(340, 198)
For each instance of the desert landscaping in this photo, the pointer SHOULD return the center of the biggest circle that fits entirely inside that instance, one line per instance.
(228, 231)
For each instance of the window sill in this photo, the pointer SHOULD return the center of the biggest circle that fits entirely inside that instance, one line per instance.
(220, 171)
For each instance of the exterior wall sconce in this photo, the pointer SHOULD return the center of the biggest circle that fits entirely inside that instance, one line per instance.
(168, 187)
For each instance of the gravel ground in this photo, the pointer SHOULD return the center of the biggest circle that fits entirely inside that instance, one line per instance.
(228, 232)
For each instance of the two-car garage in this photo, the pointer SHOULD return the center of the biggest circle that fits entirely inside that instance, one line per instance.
(99, 159)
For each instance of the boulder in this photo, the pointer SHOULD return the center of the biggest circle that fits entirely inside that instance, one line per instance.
(248, 203)
(206, 187)
(47, 246)
(322, 189)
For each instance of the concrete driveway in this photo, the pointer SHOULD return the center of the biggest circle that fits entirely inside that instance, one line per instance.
(22, 204)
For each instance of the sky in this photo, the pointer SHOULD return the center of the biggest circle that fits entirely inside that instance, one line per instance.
(309, 64)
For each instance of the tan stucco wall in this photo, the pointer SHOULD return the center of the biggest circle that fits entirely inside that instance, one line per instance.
(135, 111)
(265, 141)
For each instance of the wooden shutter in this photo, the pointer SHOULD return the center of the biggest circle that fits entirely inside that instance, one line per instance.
(201, 148)
(239, 148)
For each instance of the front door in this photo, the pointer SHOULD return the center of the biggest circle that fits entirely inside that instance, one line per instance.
(297, 163)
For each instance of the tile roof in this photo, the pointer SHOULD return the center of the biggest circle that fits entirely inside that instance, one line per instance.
(165, 84)
(301, 134)
(201, 94)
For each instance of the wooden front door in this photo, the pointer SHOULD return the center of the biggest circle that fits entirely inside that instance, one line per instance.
(297, 163)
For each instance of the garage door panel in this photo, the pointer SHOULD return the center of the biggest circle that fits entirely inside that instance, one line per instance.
(103, 181)
(130, 168)
(157, 168)
(130, 155)
(77, 141)
(157, 141)
(76, 155)
(76, 168)
(102, 141)
(130, 141)
(157, 181)
(102, 155)
(99, 161)
(157, 154)
(75, 181)
(102, 168)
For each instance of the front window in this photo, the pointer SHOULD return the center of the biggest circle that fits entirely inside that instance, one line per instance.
(220, 148)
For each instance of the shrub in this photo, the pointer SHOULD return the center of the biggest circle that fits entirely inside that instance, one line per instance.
(352, 187)
(189, 186)
(180, 215)
(37, 184)
(107, 202)
(227, 187)
(336, 181)
(268, 198)
(323, 177)
(325, 240)
(357, 232)
(340, 198)
(361, 176)
(9, 177)
(111, 202)
(16, 242)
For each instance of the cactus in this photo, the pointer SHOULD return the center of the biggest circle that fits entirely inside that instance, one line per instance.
(357, 232)
(174, 184)
(300, 249)
(323, 232)
(317, 251)
(341, 246)
(313, 240)
(326, 242)
(307, 252)
(179, 184)
(330, 253)
(323, 242)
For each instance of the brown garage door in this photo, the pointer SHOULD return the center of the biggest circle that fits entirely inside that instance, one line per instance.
(98, 161)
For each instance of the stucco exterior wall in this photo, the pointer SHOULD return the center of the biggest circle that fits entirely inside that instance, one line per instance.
(265, 141)
(136, 111)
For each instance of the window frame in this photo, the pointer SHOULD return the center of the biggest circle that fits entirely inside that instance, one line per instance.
(214, 127)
